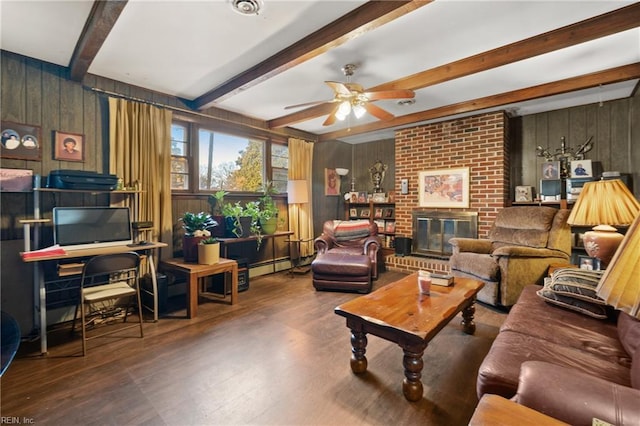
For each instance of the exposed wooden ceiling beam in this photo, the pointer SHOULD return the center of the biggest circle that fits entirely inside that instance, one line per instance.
(365, 18)
(600, 26)
(613, 75)
(101, 20)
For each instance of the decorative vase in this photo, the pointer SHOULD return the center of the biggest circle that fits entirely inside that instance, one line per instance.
(190, 248)
(269, 226)
(208, 254)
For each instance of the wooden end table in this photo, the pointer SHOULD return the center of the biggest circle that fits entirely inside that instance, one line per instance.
(195, 271)
(496, 410)
(399, 313)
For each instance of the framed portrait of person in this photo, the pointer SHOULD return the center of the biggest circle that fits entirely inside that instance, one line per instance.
(550, 170)
(581, 169)
(20, 141)
(331, 182)
(68, 146)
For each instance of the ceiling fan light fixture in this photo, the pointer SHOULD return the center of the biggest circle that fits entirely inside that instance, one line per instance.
(359, 110)
(247, 7)
(343, 110)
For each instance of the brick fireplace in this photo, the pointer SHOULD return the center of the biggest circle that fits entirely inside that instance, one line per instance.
(481, 143)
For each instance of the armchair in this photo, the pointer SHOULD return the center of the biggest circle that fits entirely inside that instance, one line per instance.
(347, 255)
(522, 243)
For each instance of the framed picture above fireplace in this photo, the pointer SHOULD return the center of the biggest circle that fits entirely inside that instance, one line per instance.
(444, 188)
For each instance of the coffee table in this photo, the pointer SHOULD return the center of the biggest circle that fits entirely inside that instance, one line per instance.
(398, 313)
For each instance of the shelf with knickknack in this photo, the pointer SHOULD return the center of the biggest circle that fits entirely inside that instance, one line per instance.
(380, 213)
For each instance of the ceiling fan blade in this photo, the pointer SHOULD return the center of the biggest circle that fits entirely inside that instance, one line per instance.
(332, 117)
(378, 112)
(339, 88)
(307, 104)
(390, 94)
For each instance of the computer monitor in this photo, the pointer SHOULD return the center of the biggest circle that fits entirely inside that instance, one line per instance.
(91, 227)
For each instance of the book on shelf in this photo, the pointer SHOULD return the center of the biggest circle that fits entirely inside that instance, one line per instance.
(444, 280)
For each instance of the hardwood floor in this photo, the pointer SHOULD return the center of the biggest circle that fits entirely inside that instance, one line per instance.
(278, 357)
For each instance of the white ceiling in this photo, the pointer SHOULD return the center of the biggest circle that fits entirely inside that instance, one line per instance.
(188, 48)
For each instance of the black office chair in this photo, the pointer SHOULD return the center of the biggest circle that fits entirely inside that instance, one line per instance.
(107, 281)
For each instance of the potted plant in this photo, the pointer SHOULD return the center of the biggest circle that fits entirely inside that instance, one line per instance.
(216, 201)
(209, 251)
(268, 216)
(237, 220)
(197, 227)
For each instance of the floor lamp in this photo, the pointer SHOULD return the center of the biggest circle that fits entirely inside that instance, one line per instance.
(297, 194)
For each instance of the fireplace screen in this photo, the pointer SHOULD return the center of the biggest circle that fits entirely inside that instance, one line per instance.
(433, 229)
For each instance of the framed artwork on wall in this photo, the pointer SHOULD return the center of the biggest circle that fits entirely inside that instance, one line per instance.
(444, 188)
(68, 146)
(20, 141)
(331, 182)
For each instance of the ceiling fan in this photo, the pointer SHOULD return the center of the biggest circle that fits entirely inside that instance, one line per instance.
(350, 97)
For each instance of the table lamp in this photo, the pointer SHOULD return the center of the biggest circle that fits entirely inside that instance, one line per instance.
(620, 286)
(604, 204)
(298, 193)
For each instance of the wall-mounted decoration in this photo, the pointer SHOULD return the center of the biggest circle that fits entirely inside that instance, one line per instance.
(16, 180)
(444, 188)
(20, 141)
(331, 182)
(524, 193)
(68, 146)
(581, 168)
(377, 172)
(551, 170)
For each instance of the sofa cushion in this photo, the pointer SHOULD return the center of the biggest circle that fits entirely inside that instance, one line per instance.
(587, 308)
(565, 327)
(577, 283)
(500, 369)
(575, 289)
(345, 230)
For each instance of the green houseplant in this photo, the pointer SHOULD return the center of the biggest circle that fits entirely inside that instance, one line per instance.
(197, 227)
(216, 201)
(237, 220)
(209, 251)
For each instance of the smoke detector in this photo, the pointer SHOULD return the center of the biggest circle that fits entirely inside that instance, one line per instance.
(247, 7)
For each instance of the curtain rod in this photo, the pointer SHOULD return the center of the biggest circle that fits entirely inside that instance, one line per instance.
(187, 111)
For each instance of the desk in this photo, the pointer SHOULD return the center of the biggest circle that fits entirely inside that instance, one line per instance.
(196, 271)
(228, 241)
(40, 300)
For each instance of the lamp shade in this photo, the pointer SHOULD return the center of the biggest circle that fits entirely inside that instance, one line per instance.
(604, 202)
(620, 285)
(297, 192)
(342, 172)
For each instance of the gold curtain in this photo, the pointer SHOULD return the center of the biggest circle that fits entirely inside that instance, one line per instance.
(300, 164)
(140, 153)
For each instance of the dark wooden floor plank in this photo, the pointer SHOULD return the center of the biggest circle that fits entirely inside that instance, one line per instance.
(279, 356)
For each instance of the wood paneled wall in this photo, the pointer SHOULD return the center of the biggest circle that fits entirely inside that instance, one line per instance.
(614, 126)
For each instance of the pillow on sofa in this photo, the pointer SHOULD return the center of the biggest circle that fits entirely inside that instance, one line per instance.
(575, 289)
(577, 283)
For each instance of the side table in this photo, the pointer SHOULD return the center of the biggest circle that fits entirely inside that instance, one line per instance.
(496, 410)
(195, 272)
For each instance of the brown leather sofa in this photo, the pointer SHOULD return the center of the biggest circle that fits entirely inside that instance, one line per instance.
(347, 256)
(566, 364)
(521, 245)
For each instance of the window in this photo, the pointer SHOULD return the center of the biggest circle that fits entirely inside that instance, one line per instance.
(232, 163)
(279, 167)
(205, 160)
(179, 156)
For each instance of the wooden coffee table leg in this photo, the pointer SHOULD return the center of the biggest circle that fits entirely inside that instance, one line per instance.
(412, 386)
(468, 325)
(358, 349)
